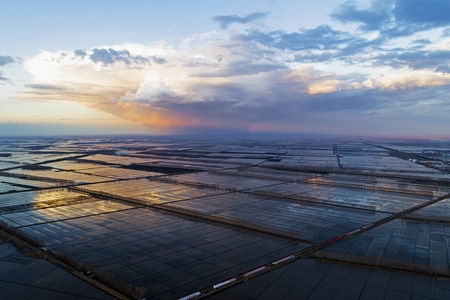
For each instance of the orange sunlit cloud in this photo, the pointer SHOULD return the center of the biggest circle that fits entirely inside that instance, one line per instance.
(145, 114)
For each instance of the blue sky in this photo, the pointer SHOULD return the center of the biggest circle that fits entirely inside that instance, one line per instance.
(157, 67)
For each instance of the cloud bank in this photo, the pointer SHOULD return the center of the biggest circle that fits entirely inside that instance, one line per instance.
(392, 71)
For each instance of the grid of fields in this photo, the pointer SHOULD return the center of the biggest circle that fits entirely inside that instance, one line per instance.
(178, 216)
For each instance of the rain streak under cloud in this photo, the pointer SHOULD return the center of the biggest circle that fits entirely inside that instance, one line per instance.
(371, 69)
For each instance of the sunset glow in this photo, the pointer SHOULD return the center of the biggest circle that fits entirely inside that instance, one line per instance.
(340, 67)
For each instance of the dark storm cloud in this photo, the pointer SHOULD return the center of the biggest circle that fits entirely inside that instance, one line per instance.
(101, 55)
(38, 86)
(359, 46)
(261, 37)
(344, 101)
(4, 60)
(320, 38)
(372, 100)
(229, 111)
(436, 60)
(445, 69)
(353, 100)
(80, 53)
(314, 58)
(397, 17)
(319, 44)
(422, 42)
(423, 14)
(239, 68)
(111, 56)
(245, 67)
(370, 19)
(446, 32)
(156, 59)
(225, 21)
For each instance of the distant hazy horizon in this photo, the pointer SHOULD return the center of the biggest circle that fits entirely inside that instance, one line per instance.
(53, 133)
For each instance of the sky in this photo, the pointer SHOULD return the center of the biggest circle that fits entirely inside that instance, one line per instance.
(365, 68)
